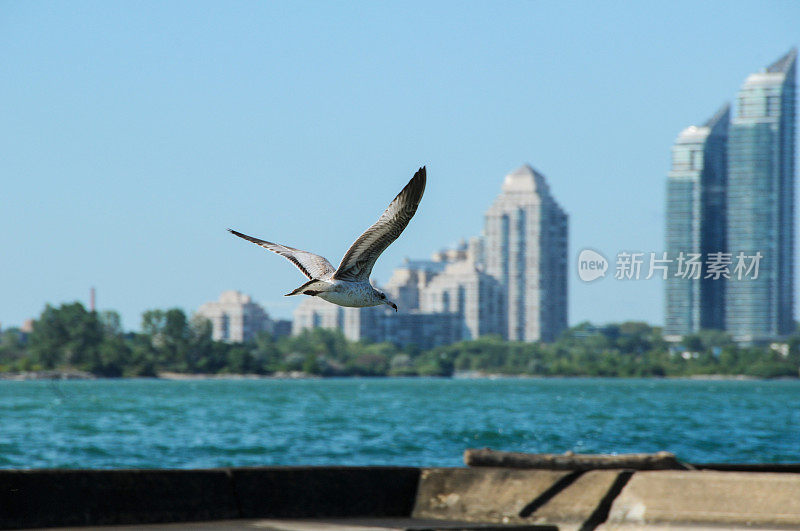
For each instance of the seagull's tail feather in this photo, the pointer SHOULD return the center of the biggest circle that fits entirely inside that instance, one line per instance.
(307, 288)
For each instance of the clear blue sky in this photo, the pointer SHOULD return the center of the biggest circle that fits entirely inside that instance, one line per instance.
(134, 133)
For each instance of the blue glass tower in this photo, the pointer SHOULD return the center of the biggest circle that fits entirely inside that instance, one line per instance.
(695, 225)
(761, 203)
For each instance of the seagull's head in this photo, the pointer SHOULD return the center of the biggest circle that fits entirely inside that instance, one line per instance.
(383, 300)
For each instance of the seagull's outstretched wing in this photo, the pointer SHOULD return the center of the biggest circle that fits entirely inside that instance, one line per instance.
(358, 261)
(312, 265)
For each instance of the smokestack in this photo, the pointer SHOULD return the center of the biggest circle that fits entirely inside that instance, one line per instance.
(91, 300)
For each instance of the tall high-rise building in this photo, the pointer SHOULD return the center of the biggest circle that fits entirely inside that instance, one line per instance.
(526, 251)
(695, 225)
(761, 203)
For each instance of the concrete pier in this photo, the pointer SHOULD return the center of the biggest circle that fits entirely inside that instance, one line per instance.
(363, 498)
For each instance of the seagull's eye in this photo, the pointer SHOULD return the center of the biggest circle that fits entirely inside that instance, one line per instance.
(383, 296)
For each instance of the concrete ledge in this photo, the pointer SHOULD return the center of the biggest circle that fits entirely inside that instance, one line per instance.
(40, 498)
(583, 503)
(315, 492)
(330, 524)
(497, 495)
(731, 499)
(410, 498)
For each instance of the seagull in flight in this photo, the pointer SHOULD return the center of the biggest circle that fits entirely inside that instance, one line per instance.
(349, 284)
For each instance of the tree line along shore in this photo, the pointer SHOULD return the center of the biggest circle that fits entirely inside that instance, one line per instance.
(69, 339)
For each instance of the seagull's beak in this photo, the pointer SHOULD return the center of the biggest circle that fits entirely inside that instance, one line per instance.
(390, 303)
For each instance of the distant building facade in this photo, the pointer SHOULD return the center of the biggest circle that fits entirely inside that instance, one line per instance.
(235, 317)
(314, 312)
(526, 238)
(412, 327)
(761, 203)
(473, 296)
(410, 279)
(281, 328)
(696, 225)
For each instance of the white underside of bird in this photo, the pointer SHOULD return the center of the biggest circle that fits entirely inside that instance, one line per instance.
(343, 293)
(349, 285)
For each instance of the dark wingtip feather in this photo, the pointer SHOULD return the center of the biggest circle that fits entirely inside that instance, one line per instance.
(244, 236)
(420, 179)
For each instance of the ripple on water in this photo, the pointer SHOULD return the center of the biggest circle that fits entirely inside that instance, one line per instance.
(426, 422)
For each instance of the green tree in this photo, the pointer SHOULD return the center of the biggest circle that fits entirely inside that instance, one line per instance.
(312, 365)
(169, 334)
(267, 352)
(65, 336)
(12, 349)
(111, 323)
(142, 358)
(199, 345)
(241, 361)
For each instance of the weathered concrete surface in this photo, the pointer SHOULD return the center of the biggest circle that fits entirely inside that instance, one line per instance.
(572, 461)
(332, 524)
(578, 503)
(337, 498)
(481, 495)
(727, 499)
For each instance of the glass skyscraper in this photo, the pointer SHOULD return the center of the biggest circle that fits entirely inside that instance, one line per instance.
(761, 203)
(695, 225)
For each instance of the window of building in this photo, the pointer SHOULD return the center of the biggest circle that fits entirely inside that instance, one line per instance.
(680, 159)
(696, 160)
(225, 327)
(772, 105)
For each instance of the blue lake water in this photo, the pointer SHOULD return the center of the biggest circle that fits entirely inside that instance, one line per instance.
(423, 422)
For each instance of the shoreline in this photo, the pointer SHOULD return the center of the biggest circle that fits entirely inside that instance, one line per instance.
(55, 375)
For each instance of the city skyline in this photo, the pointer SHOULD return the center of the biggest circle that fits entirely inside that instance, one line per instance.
(134, 139)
